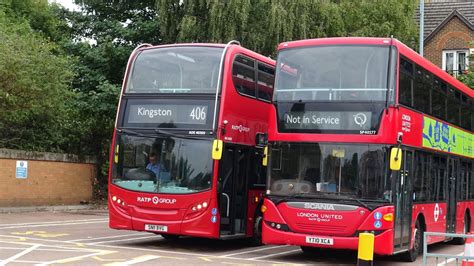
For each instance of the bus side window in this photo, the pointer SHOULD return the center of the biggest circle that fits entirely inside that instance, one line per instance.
(243, 75)
(406, 82)
(266, 78)
(471, 180)
(421, 96)
(453, 106)
(442, 178)
(421, 185)
(465, 112)
(464, 181)
(435, 178)
(438, 102)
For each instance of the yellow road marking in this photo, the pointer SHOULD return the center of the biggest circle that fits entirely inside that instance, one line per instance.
(174, 258)
(205, 259)
(101, 259)
(51, 235)
(77, 258)
(134, 260)
(40, 234)
(28, 233)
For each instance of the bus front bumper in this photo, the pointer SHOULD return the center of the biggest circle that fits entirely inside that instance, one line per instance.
(383, 244)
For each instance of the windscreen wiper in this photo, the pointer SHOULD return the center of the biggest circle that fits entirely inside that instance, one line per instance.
(362, 203)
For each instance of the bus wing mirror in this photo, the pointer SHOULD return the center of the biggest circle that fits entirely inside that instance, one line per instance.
(217, 149)
(395, 159)
(265, 156)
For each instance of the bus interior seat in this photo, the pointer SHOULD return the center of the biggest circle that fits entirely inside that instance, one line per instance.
(291, 186)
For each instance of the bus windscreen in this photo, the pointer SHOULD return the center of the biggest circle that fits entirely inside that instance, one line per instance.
(330, 171)
(189, 69)
(333, 73)
(162, 164)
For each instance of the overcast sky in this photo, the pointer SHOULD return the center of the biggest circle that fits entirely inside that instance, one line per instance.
(65, 3)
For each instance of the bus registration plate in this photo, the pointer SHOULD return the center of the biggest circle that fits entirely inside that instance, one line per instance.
(320, 240)
(156, 228)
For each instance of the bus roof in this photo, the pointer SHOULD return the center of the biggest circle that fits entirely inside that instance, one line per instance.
(403, 49)
(248, 52)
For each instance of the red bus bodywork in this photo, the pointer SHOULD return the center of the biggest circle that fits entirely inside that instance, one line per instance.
(342, 227)
(239, 119)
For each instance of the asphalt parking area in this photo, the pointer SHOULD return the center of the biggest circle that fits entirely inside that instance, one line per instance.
(83, 238)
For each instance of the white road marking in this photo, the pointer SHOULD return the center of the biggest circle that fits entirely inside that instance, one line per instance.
(135, 260)
(16, 256)
(107, 237)
(51, 245)
(275, 254)
(58, 224)
(183, 253)
(55, 222)
(450, 260)
(133, 248)
(67, 260)
(121, 240)
(251, 251)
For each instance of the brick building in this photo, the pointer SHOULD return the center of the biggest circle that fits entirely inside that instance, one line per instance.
(448, 34)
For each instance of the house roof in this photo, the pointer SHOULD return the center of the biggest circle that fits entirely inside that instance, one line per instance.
(437, 14)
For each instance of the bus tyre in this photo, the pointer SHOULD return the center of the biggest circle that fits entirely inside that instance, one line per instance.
(413, 253)
(461, 240)
(257, 229)
(170, 237)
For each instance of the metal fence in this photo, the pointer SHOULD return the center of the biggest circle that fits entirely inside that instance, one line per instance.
(445, 259)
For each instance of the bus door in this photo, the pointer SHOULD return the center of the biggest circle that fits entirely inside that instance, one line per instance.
(233, 190)
(403, 203)
(453, 166)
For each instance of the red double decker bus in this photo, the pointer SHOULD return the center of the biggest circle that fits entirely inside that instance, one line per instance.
(366, 136)
(185, 157)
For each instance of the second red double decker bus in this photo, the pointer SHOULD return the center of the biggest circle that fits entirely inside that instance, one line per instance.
(184, 151)
(366, 136)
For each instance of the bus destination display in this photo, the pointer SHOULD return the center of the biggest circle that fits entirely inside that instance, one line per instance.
(318, 120)
(177, 114)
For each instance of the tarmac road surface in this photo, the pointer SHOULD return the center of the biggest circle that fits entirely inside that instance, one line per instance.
(84, 238)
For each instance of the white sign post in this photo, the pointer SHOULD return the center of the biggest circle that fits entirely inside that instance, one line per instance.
(21, 169)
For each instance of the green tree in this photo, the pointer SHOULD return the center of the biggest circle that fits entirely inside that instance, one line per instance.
(34, 81)
(261, 25)
(101, 37)
(468, 78)
(380, 19)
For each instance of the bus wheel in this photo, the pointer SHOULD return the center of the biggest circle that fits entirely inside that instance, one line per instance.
(170, 237)
(461, 240)
(311, 251)
(257, 229)
(413, 253)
